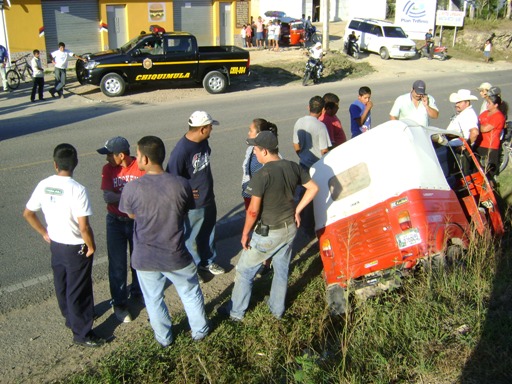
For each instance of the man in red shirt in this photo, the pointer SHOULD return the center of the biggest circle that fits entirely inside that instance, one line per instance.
(331, 121)
(120, 169)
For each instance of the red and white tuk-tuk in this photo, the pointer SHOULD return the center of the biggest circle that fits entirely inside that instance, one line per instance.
(392, 198)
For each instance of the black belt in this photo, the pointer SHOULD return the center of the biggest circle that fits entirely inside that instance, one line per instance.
(282, 225)
(120, 218)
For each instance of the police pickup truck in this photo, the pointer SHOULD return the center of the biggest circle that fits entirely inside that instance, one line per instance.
(163, 57)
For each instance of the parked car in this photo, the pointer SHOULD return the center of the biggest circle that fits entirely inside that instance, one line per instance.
(403, 202)
(382, 37)
(163, 57)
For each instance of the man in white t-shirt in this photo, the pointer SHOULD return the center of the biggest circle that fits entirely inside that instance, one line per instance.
(66, 210)
(60, 59)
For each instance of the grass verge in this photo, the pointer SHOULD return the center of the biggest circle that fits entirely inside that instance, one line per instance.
(336, 67)
(439, 327)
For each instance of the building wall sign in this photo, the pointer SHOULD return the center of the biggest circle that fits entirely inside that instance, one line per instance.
(156, 12)
(416, 17)
(450, 18)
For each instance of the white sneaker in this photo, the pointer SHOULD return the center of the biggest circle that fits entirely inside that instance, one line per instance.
(213, 268)
(122, 314)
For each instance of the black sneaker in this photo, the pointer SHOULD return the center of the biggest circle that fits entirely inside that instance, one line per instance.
(52, 92)
(91, 340)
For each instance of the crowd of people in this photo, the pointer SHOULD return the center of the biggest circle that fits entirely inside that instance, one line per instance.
(267, 34)
(161, 220)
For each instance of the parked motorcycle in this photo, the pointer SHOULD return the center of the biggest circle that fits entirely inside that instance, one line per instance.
(313, 71)
(440, 52)
(352, 49)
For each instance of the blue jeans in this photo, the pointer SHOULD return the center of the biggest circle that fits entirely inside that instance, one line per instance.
(119, 241)
(200, 234)
(278, 245)
(187, 285)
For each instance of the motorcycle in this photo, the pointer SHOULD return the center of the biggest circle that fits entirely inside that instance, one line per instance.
(313, 71)
(352, 48)
(440, 52)
(506, 146)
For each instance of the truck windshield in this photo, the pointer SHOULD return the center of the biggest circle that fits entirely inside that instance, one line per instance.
(394, 32)
(132, 43)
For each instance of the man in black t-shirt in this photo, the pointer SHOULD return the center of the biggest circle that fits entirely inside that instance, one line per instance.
(274, 218)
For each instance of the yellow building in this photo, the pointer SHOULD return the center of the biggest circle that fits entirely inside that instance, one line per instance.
(96, 25)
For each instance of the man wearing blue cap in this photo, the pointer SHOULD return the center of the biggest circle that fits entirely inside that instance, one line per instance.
(416, 105)
(120, 169)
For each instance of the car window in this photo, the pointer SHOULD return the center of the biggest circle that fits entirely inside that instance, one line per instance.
(376, 30)
(179, 45)
(151, 45)
(394, 32)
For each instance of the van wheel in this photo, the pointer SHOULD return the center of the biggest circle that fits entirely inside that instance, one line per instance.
(337, 300)
(112, 85)
(215, 82)
(384, 54)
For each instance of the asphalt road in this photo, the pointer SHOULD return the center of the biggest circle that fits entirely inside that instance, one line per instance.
(29, 132)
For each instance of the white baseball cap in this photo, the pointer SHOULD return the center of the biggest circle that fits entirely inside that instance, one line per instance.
(200, 119)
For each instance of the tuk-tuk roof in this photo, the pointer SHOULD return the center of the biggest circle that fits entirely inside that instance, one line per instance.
(384, 162)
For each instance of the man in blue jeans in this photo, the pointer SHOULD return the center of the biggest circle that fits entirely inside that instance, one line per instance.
(158, 202)
(120, 169)
(191, 159)
(273, 216)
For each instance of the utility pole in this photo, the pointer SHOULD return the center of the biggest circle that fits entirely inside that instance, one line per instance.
(324, 7)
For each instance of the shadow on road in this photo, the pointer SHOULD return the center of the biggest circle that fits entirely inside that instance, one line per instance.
(38, 116)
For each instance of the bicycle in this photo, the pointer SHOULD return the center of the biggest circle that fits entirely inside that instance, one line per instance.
(19, 72)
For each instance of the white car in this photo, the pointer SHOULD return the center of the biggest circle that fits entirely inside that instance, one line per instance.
(382, 37)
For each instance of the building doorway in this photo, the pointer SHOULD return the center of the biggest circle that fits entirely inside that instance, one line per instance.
(316, 10)
(226, 37)
(116, 21)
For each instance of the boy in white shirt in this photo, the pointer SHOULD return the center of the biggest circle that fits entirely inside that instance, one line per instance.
(38, 73)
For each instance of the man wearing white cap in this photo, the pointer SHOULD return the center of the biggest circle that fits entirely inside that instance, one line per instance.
(483, 89)
(466, 120)
(191, 160)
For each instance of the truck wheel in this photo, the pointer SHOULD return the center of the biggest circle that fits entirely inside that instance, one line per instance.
(384, 54)
(215, 82)
(337, 300)
(112, 85)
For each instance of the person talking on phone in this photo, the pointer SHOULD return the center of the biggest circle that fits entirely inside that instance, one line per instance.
(270, 225)
(416, 105)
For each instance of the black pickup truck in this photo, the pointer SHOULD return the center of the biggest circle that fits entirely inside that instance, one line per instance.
(164, 57)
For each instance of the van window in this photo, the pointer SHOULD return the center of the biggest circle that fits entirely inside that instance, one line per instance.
(394, 32)
(365, 27)
(354, 25)
(376, 30)
(349, 181)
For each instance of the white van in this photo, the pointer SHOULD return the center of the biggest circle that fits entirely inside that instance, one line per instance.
(382, 37)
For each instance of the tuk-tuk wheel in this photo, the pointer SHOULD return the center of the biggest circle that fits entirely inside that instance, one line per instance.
(337, 299)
